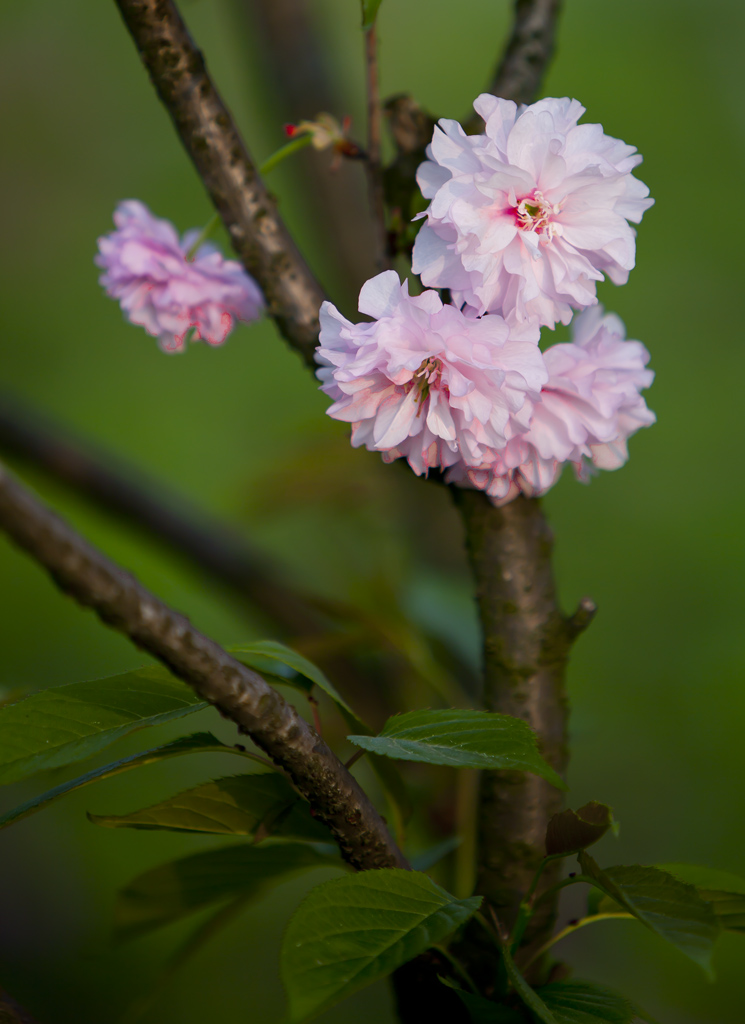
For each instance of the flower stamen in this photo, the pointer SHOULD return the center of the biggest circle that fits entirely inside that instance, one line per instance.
(534, 213)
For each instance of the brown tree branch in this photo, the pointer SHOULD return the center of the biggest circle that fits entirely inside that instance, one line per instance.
(519, 74)
(124, 491)
(211, 139)
(238, 693)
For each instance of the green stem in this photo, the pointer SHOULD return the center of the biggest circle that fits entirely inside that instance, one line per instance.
(525, 910)
(573, 928)
(203, 235)
(285, 151)
(549, 893)
(457, 967)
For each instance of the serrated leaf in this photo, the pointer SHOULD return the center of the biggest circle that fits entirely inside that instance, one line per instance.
(572, 831)
(64, 724)
(369, 12)
(725, 892)
(668, 906)
(237, 805)
(199, 742)
(267, 652)
(173, 890)
(462, 739)
(581, 1002)
(528, 995)
(351, 931)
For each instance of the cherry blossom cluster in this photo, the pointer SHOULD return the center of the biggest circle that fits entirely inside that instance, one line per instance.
(523, 220)
(167, 288)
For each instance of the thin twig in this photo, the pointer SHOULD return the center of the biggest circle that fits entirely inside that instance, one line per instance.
(240, 694)
(519, 74)
(211, 139)
(374, 170)
(290, 50)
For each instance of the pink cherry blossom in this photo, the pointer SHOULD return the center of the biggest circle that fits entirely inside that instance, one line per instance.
(586, 412)
(424, 382)
(148, 269)
(525, 218)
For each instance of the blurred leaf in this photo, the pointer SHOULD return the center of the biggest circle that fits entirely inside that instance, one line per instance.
(724, 891)
(427, 858)
(199, 742)
(65, 724)
(669, 907)
(271, 650)
(572, 831)
(528, 995)
(173, 890)
(369, 12)
(463, 739)
(580, 1002)
(353, 930)
(237, 805)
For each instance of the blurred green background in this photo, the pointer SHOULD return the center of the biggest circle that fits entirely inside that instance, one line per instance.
(656, 684)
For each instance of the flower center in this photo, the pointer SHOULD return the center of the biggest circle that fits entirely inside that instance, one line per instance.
(534, 213)
(427, 376)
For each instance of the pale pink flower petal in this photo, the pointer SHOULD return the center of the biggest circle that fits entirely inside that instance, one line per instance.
(585, 414)
(524, 219)
(146, 268)
(424, 381)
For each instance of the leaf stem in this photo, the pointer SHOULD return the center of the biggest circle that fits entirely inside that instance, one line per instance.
(284, 151)
(457, 967)
(570, 928)
(203, 235)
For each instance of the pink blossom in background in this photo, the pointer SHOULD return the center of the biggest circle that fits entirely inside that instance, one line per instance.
(524, 219)
(424, 382)
(146, 268)
(586, 412)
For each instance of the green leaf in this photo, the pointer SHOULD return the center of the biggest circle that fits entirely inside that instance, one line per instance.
(369, 12)
(237, 805)
(353, 930)
(724, 891)
(65, 724)
(199, 742)
(173, 890)
(572, 831)
(269, 652)
(580, 1002)
(463, 739)
(528, 995)
(668, 906)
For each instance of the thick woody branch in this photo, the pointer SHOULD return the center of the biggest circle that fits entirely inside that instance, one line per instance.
(238, 693)
(519, 74)
(205, 126)
(526, 644)
(122, 490)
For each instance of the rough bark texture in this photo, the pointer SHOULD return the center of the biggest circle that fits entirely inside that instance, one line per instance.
(239, 693)
(526, 644)
(207, 131)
